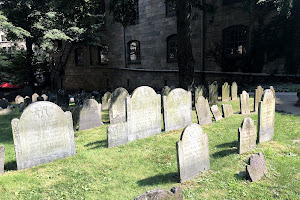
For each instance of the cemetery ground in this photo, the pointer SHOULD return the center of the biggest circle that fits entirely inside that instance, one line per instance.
(127, 171)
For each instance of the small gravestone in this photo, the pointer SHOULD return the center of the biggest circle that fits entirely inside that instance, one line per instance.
(244, 103)
(177, 109)
(117, 134)
(45, 97)
(225, 92)
(22, 106)
(106, 101)
(19, 100)
(43, 134)
(203, 111)
(62, 99)
(2, 159)
(161, 194)
(257, 97)
(227, 110)
(143, 113)
(273, 91)
(75, 116)
(34, 97)
(213, 93)
(266, 117)
(117, 110)
(216, 113)
(27, 91)
(90, 115)
(247, 136)
(257, 167)
(16, 99)
(192, 152)
(200, 91)
(234, 91)
(4, 104)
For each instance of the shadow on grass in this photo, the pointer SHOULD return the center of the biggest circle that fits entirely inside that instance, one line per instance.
(241, 175)
(228, 144)
(97, 144)
(12, 165)
(225, 152)
(172, 177)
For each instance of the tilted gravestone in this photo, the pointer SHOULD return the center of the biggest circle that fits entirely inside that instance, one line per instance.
(117, 134)
(34, 97)
(266, 117)
(273, 91)
(192, 152)
(90, 115)
(234, 91)
(247, 136)
(216, 113)
(161, 194)
(203, 111)
(257, 167)
(43, 134)
(244, 103)
(177, 109)
(225, 92)
(227, 110)
(213, 93)
(106, 100)
(257, 97)
(27, 91)
(117, 110)
(2, 159)
(143, 113)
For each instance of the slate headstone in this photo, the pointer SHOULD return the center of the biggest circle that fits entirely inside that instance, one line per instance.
(2, 159)
(244, 103)
(227, 110)
(27, 91)
(225, 92)
(257, 97)
(117, 110)
(106, 101)
(200, 91)
(247, 136)
(62, 99)
(234, 91)
(203, 111)
(216, 113)
(213, 93)
(75, 116)
(90, 115)
(161, 194)
(257, 167)
(3, 104)
(117, 134)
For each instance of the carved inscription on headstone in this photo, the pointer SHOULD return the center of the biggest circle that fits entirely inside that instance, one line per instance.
(90, 115)
(43, 134)
(177, 109)
(227, 110)
(192, 152)
(257, 167)
(244, 103)
(2, 159)
(216, 113)
(117, 110)
(213, 93)
(117, 134)
(203, 111)
(234, 91)
(266, 117)
(257, 97)
(225, 92)
(106, 100)
(247, 136)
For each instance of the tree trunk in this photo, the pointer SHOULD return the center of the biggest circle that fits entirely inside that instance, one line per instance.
(186, 61)
(29, 60)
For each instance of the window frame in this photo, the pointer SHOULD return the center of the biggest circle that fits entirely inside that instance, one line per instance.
(138, 61)
(100, 48)
(169, 39)
(76, 56)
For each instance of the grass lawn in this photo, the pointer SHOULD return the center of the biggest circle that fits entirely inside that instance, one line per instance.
(127, 171)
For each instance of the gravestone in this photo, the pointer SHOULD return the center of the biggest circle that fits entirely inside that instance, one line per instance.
(266, 117)
(19, 100)
(161, 194)
(257, 97)
(43, 134)
(244, 103)
(234, 91)
(117, 110)
(143, 113)
(216, 113)
(192, 152)
(3, 104)
(75, 116)
(225, 92)
(247, 136)
(6, 111)
(62, 99)
(27, 91)
(200, 91)
(117, 134)
(273, 91)
(2, 159)
(203, 111)
(106, 101)
(22, 106)
(257, 167)
(45, 97)
(213, 93)
(90, 115)
(177, 109)
(165, 91)
(298, 102)
(34, 97)
(227, 110)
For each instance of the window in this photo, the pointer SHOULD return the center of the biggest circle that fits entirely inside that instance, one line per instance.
(227, 2)
(134, 52)
(172, 48)
(170, 7)
(103, 54)
(79, 56)
(235, 40)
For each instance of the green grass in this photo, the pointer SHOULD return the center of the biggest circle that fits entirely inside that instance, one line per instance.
(127, 171)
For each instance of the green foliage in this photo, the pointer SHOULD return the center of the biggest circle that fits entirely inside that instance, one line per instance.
(123, 11)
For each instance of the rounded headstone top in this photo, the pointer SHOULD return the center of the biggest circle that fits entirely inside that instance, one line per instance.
(191, 131)
(143, 90)
(178, 91)
(268, 94)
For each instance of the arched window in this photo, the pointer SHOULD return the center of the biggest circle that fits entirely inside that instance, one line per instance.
(235, 40)
(170, 7)
(172, 48)
(79, 56)
(103, 54)
(134, 51)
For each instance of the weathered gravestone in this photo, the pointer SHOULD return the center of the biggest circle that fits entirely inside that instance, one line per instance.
(34, 97)
(257, 97)
(27, 91)
(192, 152)
(75, 116)
(234, 91)
(200, 91)
(273, 91)
(90, 115)
(43, 134)
(247, 136)
(45, 97)
(2, 159)
(177, 109)
(62, 99)
(213, 93)
(216, 113)
(19, 100)
(3, 103)
(227, 110)
(106, 101)
(161, 194)
(117, 110)
(225, 92)
(117, 134)
(257, 167)
(165, 91)
(203, 111)
(266, 117)
(244, 103)
(143, 113)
